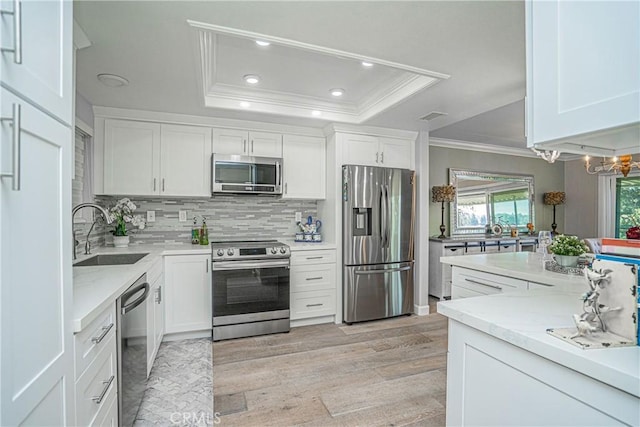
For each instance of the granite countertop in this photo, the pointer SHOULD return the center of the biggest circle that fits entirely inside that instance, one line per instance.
(521, 318)
(96, 287)
(520, 265)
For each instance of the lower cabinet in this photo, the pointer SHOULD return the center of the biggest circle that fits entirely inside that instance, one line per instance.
(313, 285)
(155, 312)
(96, 378)
(187, 289)
(468, 283)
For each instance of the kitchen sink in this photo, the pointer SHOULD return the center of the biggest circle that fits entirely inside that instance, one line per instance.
(110, 259)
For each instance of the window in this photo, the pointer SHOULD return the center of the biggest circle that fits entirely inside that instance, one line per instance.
(511, 207)
(627, 204)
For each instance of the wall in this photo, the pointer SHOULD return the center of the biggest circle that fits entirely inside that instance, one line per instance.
(84, 110)
(547, 177)
(228, 217)
(581, 208)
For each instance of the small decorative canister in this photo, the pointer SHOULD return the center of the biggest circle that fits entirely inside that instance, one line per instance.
(317, 237)
(299, 237)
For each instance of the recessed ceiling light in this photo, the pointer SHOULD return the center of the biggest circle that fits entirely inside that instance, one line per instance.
(245, 104)
(316, 113)
(262, 43)
(367, 64)
(337, 92)
(112, 80)
(252, 79)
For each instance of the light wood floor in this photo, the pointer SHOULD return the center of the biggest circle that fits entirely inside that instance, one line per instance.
(382, 373)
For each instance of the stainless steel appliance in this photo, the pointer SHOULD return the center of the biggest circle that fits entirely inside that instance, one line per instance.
(250, 288)
(132, 349)
(377, 225)
(244, 174)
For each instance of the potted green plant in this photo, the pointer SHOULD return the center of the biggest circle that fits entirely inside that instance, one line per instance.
(121, 214)
(567, 249)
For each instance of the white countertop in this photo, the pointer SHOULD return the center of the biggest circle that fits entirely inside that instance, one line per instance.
(520, 265)
(522, 318)
(307, 246)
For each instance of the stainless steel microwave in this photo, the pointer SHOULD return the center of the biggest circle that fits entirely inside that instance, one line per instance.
(244, 174)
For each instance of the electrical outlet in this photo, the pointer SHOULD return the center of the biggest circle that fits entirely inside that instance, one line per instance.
(151, 216)
(298, 216)
(182, 216)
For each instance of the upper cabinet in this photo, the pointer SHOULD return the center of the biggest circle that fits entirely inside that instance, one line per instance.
(144, 159)
(304, 167)
(242, 142)
(583, 76)
(377, 151)
(37, 53)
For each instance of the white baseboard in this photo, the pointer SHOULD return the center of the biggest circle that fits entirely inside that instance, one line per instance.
(187, 335)
(312, 321)
(421, 310)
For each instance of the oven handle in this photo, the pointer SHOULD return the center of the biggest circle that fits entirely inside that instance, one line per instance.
(244, 265)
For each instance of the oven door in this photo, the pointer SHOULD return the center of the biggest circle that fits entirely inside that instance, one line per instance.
(252, 286)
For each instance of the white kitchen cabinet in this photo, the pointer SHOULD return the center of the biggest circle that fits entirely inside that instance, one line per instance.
(146, 159)
(187, 284)
(131, 157)
(155, 312)
(313, 286)
(304, 167)
(377, 151)
(466, 282)
(45, 74)
(583, 68)
(245, 143)
(36, 280)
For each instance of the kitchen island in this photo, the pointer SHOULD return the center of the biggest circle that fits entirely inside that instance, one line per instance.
(504, 369)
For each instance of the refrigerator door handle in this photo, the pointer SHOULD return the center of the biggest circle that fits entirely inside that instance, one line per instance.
(383, 217)
(388, 226)
(389, 270)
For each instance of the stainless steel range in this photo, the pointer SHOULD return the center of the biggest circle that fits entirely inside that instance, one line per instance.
(250, 288)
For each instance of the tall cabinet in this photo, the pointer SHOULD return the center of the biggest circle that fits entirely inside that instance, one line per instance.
(36, 334)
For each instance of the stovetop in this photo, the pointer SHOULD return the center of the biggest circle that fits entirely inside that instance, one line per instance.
(226, 250)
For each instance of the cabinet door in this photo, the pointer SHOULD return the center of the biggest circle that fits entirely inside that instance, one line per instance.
(264, 144)
(360, 150)
(304, 167)
(131, 158)
(582, 67)
(45, 75)
(230, 141)
(188, 293)
(396, 153)
(185, 160)
(36, 280)
(158, 313)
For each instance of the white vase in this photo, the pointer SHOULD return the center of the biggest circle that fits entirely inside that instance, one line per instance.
(566, 260)
(121, 241)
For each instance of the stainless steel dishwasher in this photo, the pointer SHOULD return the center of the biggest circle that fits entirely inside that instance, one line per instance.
(132, 350)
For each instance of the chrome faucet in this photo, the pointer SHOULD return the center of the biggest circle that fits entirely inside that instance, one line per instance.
(107, 217)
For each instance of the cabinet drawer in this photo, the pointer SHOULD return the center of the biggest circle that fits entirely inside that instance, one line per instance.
(108, 414)
(97, 385)
(460, 292)
(313, 304)
(313, 277)
(485, 283)
(92, 339)
(313, 257)
(534, 285)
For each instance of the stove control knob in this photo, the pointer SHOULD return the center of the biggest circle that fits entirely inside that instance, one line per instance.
(230, 252)
(220, 252)
(283, 250)
(274, 250)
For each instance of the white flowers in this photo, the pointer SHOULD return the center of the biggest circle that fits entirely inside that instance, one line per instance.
(122, 213)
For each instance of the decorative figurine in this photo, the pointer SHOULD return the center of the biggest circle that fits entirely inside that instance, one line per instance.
(591, 320)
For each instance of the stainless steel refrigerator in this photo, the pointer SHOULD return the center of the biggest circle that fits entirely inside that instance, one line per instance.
(378, 228)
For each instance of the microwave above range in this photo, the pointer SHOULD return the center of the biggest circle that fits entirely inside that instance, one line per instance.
(244, 174)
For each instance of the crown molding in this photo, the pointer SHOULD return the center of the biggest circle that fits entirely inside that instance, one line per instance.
(332, 128)
(80, 39)
(476, 146)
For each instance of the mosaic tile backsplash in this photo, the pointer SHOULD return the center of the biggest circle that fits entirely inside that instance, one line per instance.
(228, 217)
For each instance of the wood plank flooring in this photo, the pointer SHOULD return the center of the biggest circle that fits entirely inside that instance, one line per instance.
(384, 373)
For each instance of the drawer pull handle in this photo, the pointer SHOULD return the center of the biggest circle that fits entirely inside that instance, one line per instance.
(107, 384)
(315, 257)
(105, 331)
(484, 284)
(314, 278)
(315, 305)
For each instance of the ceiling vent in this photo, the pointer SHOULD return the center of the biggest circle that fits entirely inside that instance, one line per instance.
(433, 115)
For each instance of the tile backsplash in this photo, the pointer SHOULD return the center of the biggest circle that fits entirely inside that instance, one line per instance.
(228, 217)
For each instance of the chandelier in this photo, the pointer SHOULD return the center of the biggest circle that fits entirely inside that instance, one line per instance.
(549, 155)
(622, 164)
